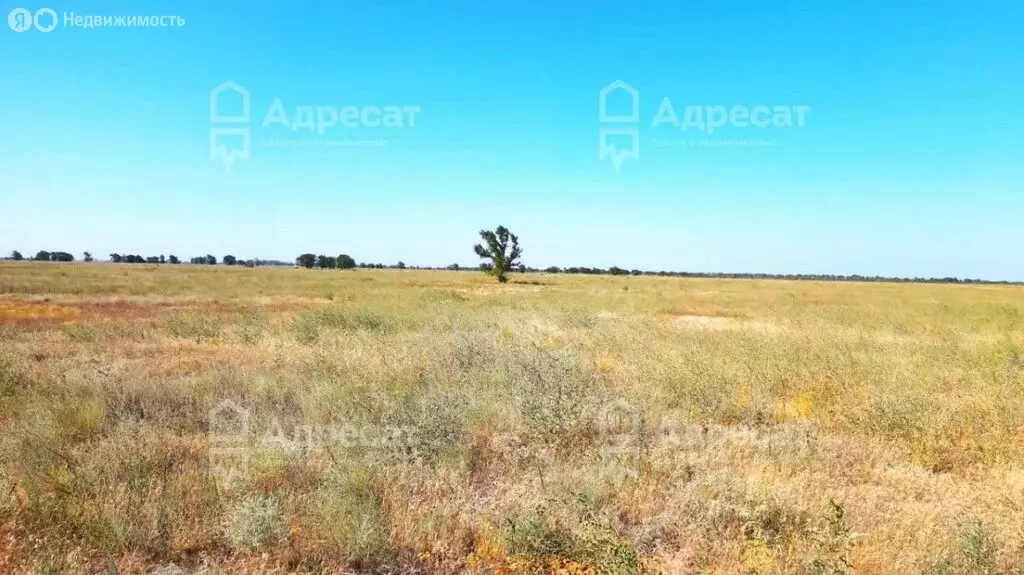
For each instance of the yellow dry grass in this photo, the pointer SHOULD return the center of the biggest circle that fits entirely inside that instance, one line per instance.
(405, 421)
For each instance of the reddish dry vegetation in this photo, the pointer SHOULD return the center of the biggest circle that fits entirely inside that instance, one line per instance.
(43, 313)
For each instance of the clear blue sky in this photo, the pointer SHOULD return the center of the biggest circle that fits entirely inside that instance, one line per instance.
(910, 161)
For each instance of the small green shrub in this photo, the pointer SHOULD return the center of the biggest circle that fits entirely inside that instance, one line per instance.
(591, 542)
(835, 542)
(254, 523)
(350, 516)
(978, 548)
(536, 535)
(558, 395)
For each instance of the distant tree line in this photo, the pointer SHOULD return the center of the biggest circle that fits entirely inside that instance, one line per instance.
(137, 259)
(208, 260)
(229, 260)
(44, 256)
(345, 261)
(617, 271)
(309, 261)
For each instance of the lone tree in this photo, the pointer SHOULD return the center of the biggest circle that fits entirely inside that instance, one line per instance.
(502, 255)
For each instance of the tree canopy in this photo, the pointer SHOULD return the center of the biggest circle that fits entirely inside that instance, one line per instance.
(501, 247)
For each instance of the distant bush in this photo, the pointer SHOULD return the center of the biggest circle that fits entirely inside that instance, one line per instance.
(306, 260)
(590, 542)
(346, 262)
(560, 394)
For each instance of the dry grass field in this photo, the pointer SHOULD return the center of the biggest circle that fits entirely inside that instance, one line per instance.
(436, 422)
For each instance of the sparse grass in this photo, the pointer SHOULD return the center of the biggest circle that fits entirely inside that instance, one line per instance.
(440, 422)
(254, 523)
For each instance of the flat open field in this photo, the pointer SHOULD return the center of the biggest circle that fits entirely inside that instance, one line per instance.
(404, 421)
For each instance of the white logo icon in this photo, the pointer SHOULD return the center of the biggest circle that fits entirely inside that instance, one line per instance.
(634, 103)
(20, 20)
(229, 144)
(610, 139)
(229, 448)
(621, 432)
(215, 94)
(51, 21)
